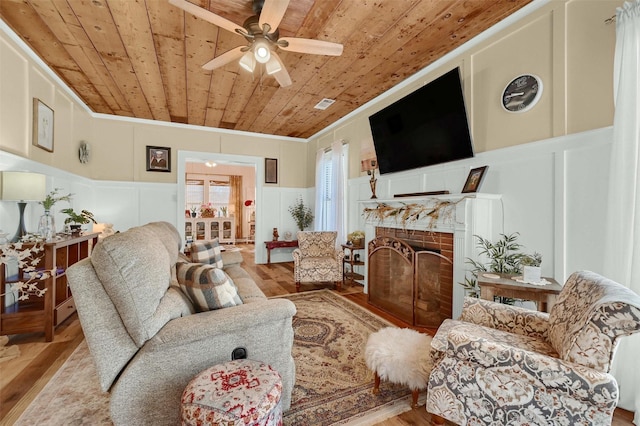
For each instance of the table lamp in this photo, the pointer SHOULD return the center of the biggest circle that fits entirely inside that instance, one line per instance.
(22, 187)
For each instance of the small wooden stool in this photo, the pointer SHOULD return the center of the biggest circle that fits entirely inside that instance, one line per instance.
(399, 355)
(240, 392)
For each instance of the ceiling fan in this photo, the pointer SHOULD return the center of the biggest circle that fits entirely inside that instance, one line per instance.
(261, 31)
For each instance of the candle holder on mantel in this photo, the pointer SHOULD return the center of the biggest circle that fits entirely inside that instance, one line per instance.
(370, 167)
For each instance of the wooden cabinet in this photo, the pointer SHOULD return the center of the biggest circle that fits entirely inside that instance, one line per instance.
(352, 258)
(43, 314)
(210, 228)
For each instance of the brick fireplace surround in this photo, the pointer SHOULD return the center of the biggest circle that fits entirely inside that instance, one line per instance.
(416, 287)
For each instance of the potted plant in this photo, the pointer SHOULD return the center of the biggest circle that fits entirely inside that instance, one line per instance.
(76, 220)
(194, 211)
(531, 270)
(356, 238)
(503, 257)
(301, 214)
(47, 225)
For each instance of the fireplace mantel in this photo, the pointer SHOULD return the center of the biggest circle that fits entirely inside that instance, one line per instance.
(471, 214)
(454, 215)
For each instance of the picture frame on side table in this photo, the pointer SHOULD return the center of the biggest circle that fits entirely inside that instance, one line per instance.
(42, 125)
(270, 170)
(158, 159)
(474, 179)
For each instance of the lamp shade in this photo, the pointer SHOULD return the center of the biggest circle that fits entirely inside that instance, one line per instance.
(368, 165)
(22, 186)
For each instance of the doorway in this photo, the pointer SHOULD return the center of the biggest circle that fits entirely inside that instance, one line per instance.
(195, 163)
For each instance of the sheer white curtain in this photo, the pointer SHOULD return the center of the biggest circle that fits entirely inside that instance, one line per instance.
(331, 178)
(622, 256)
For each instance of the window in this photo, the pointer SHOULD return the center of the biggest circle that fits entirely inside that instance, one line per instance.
(203, 189)
(331, 172)
(194, 194)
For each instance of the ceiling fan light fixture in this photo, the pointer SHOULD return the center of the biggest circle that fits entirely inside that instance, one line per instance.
(261, 51)
(273, 66)
(248, 62)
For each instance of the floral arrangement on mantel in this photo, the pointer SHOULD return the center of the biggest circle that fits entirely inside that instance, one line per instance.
(408, 213)
(26, 258)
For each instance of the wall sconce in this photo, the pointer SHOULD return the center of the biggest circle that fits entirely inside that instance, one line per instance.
(22, 187)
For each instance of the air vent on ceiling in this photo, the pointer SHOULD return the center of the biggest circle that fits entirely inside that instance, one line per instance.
(324, 104)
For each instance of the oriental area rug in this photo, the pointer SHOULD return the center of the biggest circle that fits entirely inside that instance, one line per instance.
(333, 384)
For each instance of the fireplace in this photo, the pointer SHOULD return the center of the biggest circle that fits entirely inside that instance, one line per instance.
(448, 234)
(411, 275)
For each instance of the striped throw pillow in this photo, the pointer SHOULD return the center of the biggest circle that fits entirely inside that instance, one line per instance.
(207, 286)
(207, 252)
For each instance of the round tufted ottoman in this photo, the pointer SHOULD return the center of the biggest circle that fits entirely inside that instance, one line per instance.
(399, 355)
(241, 392)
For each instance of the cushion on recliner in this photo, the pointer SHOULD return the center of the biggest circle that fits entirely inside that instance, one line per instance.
(208, 252)
(135, 270)
(207, 286)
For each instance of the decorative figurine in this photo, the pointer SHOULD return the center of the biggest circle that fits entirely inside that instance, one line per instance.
(275, 234)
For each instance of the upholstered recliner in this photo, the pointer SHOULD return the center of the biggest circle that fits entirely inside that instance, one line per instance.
(145, 338)
(501, 364)
(317, 259)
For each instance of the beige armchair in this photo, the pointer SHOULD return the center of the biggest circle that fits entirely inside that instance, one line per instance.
(501, 364)
(317, 259)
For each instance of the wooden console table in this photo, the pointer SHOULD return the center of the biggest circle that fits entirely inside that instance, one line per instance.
(544, 296)
(43, 314)
(278, 244)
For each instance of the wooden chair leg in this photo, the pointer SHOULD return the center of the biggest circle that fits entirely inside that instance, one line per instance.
(376, 384)
(414, 398)
(436, 420)
(338, 285)
(297, 286)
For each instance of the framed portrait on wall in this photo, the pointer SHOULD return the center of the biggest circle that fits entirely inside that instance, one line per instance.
(158, 159)
(42, 125)
(270, 170)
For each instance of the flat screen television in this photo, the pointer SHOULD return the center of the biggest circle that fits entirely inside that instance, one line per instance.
(426, 127)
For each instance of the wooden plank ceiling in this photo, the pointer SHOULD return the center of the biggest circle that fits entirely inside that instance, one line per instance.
(143, 58)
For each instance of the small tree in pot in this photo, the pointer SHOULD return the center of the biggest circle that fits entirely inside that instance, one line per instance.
(301, 214)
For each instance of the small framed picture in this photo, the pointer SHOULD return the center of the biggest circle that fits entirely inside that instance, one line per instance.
(42, 125)
(158, 159)
(474, 179)
(270, 170)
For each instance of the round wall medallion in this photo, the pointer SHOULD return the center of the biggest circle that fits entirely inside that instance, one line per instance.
(522, 93)
(84, 152)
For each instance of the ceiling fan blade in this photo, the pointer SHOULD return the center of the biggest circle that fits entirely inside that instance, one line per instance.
(225, 58)
(207, 16)
(282, 76)
(316, 47)
(272, 13)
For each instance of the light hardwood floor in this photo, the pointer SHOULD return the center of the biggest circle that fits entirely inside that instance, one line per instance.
(22, 378)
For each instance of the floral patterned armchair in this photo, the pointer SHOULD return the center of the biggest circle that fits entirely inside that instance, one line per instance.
(316, 259)
(502, 364)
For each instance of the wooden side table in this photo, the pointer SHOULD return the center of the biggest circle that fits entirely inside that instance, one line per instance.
(544, 296)
(278, 244)
(349, 276)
